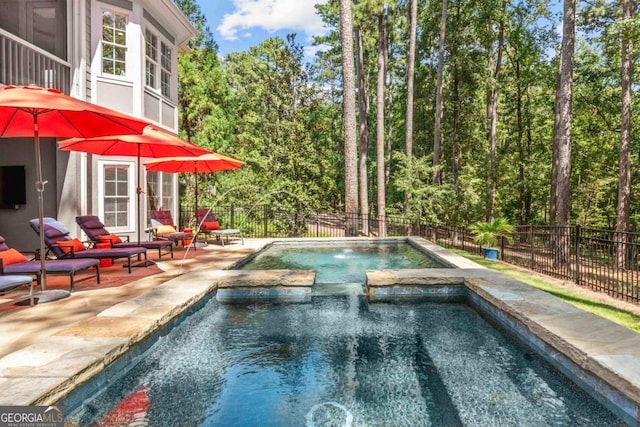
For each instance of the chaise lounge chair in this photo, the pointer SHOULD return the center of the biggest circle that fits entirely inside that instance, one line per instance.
(209, 225)
(60, 244)
(13, 262)
(164, 228)
(95, 230)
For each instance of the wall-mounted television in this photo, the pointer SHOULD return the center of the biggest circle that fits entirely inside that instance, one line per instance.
(13, 190)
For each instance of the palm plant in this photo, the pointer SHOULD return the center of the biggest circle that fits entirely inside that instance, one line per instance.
(487, 233)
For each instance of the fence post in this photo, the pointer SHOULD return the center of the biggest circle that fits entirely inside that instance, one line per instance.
(317, 224)
(502, 248)
(463, 236)
(577, 243)
(265, 220)
(533, 249)
(233, 216)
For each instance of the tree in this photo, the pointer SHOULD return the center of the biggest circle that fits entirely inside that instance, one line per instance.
(624, 162)
(411, 61)
(561, 183)
(349, 117)
(363, 114)
(437, 131)
(380, 135)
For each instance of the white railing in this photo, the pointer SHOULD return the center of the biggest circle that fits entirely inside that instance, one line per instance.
(22, 63)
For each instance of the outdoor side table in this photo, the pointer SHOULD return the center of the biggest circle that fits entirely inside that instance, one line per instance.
(228, 234)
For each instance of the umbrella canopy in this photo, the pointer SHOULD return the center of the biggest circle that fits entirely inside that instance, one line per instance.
(152, 143)
(58, 115)
(30, 111)
(212, 162)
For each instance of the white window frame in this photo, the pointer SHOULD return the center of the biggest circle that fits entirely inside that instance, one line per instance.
(151, 60)
(131, 171)
(160, 191)
(114, 44)
(158, 87)
(166, 71)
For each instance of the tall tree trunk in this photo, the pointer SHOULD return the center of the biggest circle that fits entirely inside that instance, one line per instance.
(493, 69)
(521, 143)
(363, 114)
(437, 131)
(389, 57)
(624, 178)
(380, 136)
(562, 137)
(455, 148)
(349, 119)
(411, 60)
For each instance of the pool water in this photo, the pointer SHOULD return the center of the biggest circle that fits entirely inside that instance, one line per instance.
(339, 264)
(342, 361)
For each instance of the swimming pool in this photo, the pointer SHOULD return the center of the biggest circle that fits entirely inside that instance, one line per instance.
(341, 360)
(340, 263)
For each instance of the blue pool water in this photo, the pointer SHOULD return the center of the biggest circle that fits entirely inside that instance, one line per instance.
(343, 263)
(341, 361)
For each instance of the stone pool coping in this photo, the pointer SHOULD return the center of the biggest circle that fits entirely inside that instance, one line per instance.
(46, 372)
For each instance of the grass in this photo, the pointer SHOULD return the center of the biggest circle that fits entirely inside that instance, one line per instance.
(617, 315)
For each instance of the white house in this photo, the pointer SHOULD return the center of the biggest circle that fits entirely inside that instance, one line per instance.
(121, 54)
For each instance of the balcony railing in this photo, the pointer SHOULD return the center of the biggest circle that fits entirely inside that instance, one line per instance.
(22, 63)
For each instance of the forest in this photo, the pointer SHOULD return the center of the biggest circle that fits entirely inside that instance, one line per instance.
(447, 112)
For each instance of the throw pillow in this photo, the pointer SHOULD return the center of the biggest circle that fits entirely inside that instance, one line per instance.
(66, 245)
(109, 238)
(213, 225)
(165, 229)
(12, 256)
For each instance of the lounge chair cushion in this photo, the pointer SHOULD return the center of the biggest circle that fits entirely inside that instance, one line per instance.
(52, 266)
(67, 245)
(12, 256)
(10, 282)
(109, 238)
(213, 225)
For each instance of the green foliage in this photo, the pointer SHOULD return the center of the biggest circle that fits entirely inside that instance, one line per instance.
(282, 116)
(487, 233)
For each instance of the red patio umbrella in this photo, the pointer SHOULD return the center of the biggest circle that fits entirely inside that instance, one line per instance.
(31, 111)
(211, 162)
(152, 143)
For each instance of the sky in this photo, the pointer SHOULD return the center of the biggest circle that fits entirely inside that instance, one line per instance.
(239, 24)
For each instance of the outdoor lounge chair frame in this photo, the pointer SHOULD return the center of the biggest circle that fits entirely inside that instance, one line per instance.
(93, 227)
(52, 267)
(206, 215)
(164, 217)
(55, 231)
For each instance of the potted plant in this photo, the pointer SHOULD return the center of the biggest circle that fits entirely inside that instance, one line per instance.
(487, 234)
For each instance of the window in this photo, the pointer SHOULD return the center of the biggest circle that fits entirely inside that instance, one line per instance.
(158, 59)
(151, 50)
(165, 74)
(160, 194)
(116, 191)
(114, 43)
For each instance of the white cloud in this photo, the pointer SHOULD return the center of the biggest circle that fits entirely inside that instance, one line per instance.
(310, 51)
(272, 15)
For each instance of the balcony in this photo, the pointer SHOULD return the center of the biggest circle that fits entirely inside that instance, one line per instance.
(22, 63)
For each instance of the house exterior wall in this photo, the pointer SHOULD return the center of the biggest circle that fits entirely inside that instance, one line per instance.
(76, 183)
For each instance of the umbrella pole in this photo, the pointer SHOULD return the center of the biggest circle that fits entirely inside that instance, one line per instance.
(40, 190)
(44, 295)
(196, 208)
(139, 192)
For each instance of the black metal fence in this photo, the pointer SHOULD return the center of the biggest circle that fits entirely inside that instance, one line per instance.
(604, 260)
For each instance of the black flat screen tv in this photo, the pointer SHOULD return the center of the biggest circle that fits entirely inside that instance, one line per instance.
(12, 187)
